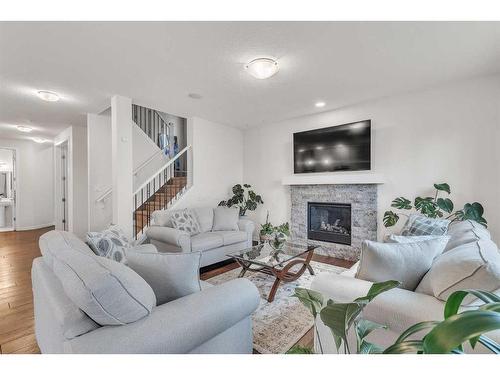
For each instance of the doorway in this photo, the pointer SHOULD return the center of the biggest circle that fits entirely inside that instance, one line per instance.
(62, 216)
(7, 189)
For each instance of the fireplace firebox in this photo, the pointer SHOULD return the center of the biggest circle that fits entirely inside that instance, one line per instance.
(329, 222)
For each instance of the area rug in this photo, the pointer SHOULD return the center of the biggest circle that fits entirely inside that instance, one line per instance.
(278, 325)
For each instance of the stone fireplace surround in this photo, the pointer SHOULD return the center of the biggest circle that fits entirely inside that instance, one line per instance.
(363, 200)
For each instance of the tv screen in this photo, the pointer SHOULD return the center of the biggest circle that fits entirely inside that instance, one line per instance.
(336, 148)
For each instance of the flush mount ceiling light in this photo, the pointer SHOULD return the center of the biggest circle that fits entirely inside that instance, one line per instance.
(40, 140)
(262, 68)
(48, 96)
(24, 129)
(320, 104)
(194, 95)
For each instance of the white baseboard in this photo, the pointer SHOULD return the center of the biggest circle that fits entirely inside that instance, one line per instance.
(35, 227)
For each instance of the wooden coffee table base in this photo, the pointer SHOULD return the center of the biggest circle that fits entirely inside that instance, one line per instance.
(282, 275)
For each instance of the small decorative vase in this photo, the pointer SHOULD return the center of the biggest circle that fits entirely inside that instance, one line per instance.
(278, 241)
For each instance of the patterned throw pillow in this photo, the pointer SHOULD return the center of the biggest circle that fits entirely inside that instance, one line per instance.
(186, 221)
(418, 225)
(111, 243)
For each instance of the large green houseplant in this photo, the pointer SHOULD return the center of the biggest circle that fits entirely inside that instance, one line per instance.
(446, 336)
(244, 198)
(435, 207)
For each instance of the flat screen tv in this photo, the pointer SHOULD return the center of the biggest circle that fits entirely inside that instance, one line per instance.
(336, 148)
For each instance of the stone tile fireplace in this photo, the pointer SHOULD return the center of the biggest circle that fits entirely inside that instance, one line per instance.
(337, 217)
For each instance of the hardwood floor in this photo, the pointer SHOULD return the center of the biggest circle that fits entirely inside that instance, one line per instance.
(17, 251)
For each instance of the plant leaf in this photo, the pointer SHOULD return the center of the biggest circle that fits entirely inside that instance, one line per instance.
(311, 299)
(445, 204)
(378, 288)
(405, 347)
(443, 187)
(364, 327)
(300, 350)
(369, 348)
(490, 344)
(455, 300)
(414, 329)
(336, 316)
(402, 203)
(452, 332)
(390, 219)
(426, 206)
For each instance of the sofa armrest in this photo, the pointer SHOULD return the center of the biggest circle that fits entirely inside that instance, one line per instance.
(174, 239)
(247, 226)
(178, 326)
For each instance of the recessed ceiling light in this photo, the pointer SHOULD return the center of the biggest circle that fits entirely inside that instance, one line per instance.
(40, 140)
(262, 68)
(24, 129)
(48, 96)
(320, 104)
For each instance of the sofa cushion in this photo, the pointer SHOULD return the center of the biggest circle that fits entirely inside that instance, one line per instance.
(419, 225)
(110, 243)
(226, 218)
(393, 238)
(206, 241)
(205, 216)
(162, 218)
(186, 221)
(406, 262)
(463, 232)
(230, 237)
(171, 275)
(52, 242)
(474, 265)
(107, 291)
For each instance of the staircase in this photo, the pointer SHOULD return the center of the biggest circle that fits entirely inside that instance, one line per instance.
(152, 124)
(160, 192)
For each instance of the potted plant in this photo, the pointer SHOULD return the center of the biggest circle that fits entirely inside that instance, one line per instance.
(266, 230)
(436, 206)
(244, 198)
(445, 336)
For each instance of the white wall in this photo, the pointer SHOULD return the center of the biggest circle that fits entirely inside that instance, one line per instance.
(99, 169)
(445, 134)
(217, 162)
(76, 137)
(35, 183)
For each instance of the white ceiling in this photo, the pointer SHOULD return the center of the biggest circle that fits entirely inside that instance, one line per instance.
(158, 64)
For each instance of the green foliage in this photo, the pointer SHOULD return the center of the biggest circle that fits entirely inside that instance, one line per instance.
(390, 218)
(277, 235)
(446, 336)
(340, 317)
(434, 207)
(267, 228)
(300, 350)
(244, 198)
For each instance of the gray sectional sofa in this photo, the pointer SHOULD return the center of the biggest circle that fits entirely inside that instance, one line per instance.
(71, 284)
(214, 244)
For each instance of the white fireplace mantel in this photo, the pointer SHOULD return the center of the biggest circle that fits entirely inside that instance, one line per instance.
(339, 178)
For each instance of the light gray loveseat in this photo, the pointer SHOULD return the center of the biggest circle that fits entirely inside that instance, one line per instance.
(214, 320)
(214, 245)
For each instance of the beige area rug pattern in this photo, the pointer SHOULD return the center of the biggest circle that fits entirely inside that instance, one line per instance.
(278, 325)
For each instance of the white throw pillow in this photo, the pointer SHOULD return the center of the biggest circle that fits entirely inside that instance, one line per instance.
(186, 221)
(393, 238)
(474, 265)
(404, 262)
(226, 218)
(110, 243)
(109, 292)
(171, 275)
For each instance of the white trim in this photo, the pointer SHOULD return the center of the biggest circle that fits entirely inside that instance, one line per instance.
(39, 226)
(333, 179)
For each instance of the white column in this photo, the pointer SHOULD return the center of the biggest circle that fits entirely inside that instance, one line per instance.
(122, 162)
